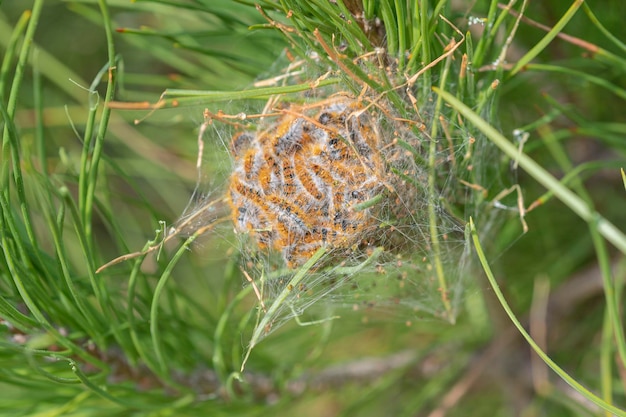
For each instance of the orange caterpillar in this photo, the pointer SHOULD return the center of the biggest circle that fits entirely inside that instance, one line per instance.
(296, 185)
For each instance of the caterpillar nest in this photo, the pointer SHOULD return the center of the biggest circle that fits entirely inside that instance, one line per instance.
(317, 177)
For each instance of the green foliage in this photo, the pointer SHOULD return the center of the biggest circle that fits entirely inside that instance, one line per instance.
(168, 329)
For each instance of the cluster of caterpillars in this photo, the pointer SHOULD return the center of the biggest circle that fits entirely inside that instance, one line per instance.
(305, 181)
